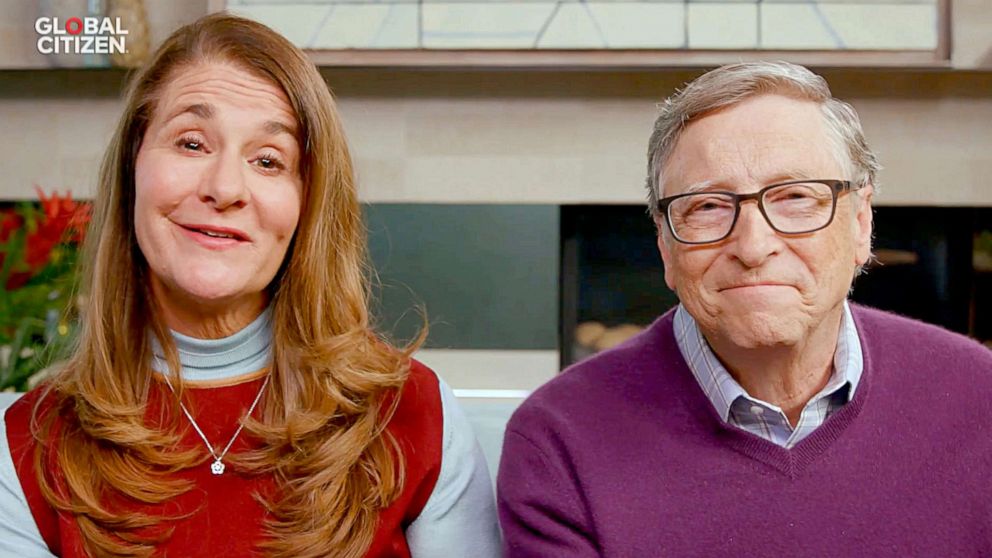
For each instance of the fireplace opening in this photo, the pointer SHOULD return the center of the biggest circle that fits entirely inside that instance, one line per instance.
(933, 264)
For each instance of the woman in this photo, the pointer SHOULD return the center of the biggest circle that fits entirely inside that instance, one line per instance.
(227, 396)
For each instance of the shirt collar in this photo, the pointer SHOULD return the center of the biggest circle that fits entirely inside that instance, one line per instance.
(722, 389)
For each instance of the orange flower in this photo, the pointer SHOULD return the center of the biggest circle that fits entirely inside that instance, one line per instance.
(17, 279)
(10, 221)
(63, 220)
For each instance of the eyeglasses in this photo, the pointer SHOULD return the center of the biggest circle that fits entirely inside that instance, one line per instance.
(796, 207)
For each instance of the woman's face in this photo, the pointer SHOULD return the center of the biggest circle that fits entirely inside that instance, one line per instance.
(218, 188)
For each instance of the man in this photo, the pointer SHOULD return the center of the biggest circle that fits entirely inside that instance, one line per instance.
(764, 416)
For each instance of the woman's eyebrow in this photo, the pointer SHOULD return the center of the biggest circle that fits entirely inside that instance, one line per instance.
(274, 127)
(206, 111)
(203, 110)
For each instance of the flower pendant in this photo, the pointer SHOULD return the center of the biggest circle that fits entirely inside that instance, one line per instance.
(217, 467)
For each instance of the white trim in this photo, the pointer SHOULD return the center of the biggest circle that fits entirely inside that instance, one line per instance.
(465, 369)
(492, 393)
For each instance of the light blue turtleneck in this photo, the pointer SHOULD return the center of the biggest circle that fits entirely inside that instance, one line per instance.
(247, 351)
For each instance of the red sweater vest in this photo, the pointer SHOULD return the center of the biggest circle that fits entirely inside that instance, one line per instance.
(225, 519)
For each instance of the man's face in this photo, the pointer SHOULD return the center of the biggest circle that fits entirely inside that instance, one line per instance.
(759, 288)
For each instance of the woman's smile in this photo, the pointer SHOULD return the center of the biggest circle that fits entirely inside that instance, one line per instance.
(213, 237)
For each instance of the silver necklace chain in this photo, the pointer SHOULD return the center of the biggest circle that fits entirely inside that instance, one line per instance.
(217, 467)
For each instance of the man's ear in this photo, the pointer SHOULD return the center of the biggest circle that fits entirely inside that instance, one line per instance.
(664, 248)
(863, 223)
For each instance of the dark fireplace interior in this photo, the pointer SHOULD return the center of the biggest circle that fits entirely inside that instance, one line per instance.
(935, 264)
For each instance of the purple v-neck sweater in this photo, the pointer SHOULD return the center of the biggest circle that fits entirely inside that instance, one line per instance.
(623, 456)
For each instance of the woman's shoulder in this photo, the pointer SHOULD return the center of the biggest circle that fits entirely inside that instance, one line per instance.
(27, 521)
(419, 410)
(422, 385)
(457, 511)
(19, 415)
(21, 422)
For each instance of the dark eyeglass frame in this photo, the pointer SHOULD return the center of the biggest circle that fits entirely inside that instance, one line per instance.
(837, 187)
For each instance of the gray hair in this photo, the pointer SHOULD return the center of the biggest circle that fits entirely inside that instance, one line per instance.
(732, 84)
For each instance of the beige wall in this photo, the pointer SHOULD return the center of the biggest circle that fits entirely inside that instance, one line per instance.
(971, 36)
(517, 136)
(580, 137)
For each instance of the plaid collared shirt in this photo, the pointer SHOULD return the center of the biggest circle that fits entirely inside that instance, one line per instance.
(759, 417)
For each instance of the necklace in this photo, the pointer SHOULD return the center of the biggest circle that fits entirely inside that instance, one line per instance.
(217, 467)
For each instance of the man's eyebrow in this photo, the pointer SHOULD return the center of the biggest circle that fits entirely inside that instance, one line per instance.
(691, 189)
(777, 178)
(698, 187)
(789, 175)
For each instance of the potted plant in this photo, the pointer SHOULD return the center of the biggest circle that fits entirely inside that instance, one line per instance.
(39, 244)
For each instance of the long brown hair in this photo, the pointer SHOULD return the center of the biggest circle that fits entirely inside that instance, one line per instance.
(332, 378)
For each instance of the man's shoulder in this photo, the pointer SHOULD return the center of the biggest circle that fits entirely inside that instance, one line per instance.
(600, 384)
(880, 329)
(924, 356)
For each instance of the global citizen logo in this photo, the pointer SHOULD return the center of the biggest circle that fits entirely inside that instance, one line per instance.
(81, 35)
